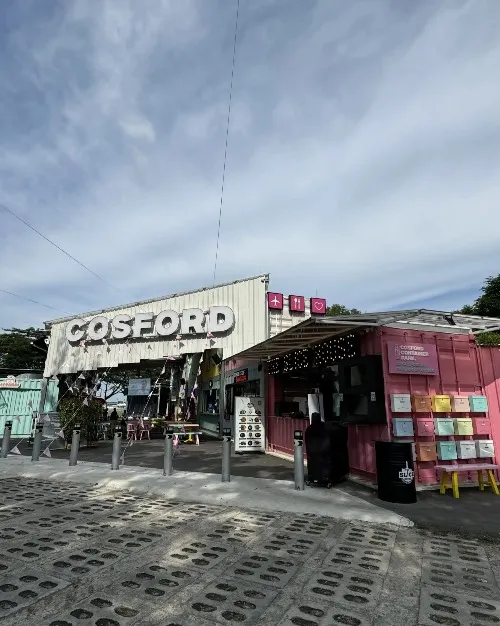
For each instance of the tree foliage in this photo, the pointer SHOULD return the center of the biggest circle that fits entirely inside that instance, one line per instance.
(340, 309)
(116, 381)
(73, 411)
(17, 350)
(487, 305)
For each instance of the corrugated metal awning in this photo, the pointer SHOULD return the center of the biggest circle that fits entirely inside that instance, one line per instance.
(304, 335)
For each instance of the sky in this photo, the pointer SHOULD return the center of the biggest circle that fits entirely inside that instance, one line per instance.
(362, 165)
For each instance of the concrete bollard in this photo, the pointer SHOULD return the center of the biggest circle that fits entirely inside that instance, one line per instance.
(75, 446)
(169, 452)
(6, 440)
(298, 459)
(226, 455)
(117, 446)
(37, 443)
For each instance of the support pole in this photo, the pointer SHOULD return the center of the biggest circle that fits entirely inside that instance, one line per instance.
(298, 459)
(117, 445)
(226, 455)
(75, 445)
(37, 443)
(6, 440)
(169, 452)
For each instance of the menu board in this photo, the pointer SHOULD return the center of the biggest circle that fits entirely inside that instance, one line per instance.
(249, 433)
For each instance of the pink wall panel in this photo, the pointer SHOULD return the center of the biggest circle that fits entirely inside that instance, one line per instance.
(464, 369)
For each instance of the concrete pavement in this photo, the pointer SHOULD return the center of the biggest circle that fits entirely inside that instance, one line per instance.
(72, 553)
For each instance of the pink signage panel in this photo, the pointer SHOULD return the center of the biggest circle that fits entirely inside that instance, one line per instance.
(297, 304)
(275, 301)
(318, 306)
(406, 358)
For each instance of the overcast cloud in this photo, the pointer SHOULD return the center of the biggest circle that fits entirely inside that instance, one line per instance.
(363, 162)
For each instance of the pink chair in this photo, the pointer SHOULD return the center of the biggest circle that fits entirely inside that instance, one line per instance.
(144, 427)
(131, 431)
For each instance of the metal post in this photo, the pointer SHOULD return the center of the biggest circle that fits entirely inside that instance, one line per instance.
(298, 459)
(226, 455)
(169, 451)
(37, 443)
(6, 440)
(117, 445)
(75, 445)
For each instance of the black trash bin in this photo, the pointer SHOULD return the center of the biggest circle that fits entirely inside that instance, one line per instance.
(395, 473)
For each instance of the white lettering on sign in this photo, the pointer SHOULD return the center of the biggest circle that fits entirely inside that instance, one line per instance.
(220, 319)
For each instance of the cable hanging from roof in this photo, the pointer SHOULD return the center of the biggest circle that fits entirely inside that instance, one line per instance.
(227, 137)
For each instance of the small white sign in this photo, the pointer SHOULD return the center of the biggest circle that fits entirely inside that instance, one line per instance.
(407, 475)
(139, 386)
(10, 382)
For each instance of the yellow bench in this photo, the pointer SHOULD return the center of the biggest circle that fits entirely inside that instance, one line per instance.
(454, 470)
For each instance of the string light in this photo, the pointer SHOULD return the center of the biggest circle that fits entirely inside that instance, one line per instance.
(326, 353)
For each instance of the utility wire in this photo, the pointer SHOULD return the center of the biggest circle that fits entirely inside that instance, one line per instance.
(52, 243)
(227, 137)
(47, 306)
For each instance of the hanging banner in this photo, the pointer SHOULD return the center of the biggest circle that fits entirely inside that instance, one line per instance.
(412, 358)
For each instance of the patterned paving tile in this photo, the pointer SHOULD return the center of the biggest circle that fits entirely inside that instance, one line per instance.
(36, 547)
(265, 570)
(369, 537)
(255, 519)
(311, 526)
(463, 552)
(367, 560)
(359, 592)
(81, 561)
(199, 554)
(440, 606)
(280, 543)
(232, 601)
(238, 535)
(472, 578)
(310, 612)
(24, 587)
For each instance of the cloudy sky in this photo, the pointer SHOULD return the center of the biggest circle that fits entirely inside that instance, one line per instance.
(364, 150)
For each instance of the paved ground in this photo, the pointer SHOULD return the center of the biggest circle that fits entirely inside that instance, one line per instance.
(203, 458)
(475, 513)
(73, 555)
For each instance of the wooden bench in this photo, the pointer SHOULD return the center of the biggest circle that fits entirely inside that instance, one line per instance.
(454, 470)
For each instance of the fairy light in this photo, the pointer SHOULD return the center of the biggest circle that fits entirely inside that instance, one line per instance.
(327, 353)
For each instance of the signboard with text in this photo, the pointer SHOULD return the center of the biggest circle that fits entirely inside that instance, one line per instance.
(412, 358)
(139, 386)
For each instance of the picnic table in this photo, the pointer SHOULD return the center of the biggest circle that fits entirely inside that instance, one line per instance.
(454, 470)
(185, 429)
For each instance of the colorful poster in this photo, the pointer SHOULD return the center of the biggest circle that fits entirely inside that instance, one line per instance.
(412, 358)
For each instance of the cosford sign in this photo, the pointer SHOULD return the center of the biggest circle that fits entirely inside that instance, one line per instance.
(218, 319)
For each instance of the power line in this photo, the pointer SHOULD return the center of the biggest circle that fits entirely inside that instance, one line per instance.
(227, 137)
(52, 243)
(47, 306)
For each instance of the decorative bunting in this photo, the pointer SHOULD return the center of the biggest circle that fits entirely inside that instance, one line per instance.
(105, 341)
(15, 450)
(61, 434)
(86, 402)
(163, 371)
(47, 420)
(209, 335)
(81, 377)
(30, 404)
(46, 452)
(122, 459)
(17, 418)
(178, 337)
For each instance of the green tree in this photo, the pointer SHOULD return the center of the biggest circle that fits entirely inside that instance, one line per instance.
(18, 351)
(487, 305)
(116, 381)
(340, 309)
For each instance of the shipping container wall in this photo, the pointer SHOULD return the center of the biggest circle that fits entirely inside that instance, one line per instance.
(489, 363)
(458, 374)
(247, 299)
(22, 402)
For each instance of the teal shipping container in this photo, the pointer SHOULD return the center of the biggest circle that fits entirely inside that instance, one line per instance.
(22, 402)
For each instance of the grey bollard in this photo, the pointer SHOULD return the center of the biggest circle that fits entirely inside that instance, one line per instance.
(226, 455)
(37, 443)
(75, 446)
(6, 440)
(117, 446)
(298, 459)
(169, 452)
